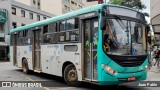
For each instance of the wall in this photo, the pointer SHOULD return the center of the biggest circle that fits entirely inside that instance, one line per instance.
(27, 2)
(155, 14)
(54, 7)
(7, 5)
(91, 3)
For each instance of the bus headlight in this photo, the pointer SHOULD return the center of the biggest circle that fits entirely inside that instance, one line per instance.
(146, 68)
(109, 69)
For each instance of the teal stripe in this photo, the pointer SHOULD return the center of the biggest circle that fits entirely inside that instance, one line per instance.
(68, 15)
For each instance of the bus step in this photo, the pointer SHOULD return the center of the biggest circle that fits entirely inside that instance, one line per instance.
(37, 71)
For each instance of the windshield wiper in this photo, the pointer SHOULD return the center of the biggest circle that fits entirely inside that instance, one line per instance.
(127, 29)
(118, 19)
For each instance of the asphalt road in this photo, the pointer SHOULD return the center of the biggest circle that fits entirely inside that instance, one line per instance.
(10, 73)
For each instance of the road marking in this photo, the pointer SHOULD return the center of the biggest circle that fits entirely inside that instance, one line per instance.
(29, 79)
(45, 88)
(65, 88)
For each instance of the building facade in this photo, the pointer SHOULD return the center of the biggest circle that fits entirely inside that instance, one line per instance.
(56, 7)
(3, 20)
(91, 2)
(14, 14)
(155, 18)
(59, 7)
(155, 15)
(32, 3)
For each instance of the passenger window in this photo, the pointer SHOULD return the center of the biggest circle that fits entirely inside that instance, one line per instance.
(25, 33)
(53, 27)
(70, 24)
(47, 38)
(45, 29)
(29, 33)
(62, 26)
(69, 31)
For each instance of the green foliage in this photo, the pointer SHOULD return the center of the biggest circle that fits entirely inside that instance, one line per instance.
(136, 4)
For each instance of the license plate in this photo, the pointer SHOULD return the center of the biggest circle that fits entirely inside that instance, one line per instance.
(131, 79)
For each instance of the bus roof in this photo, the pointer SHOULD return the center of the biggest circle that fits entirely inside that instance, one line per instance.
(67, 15)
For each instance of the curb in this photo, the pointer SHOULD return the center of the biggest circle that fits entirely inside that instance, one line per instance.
(155, 71)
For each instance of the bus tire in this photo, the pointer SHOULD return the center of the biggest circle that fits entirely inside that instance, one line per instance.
(25, 66)
(71, 76)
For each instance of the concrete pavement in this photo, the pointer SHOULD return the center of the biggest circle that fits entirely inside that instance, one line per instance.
(155, 69)
(10, 73)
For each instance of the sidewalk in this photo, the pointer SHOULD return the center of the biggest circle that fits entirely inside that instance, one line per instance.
(155, 69)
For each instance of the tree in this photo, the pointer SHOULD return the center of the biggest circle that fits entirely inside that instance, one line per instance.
(136, 4)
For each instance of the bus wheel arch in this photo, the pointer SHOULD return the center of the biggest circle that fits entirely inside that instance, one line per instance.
(69, 72)
(25, 65)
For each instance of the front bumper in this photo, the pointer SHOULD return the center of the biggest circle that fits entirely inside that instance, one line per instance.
(108, 79)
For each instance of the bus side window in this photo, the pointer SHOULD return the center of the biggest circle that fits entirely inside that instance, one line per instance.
(106, 39)
(45, 29)
(25, 37)
(46, 36)
(62, 34)
(53, 28)
(20, 38)
(62, 25)
(72, 31)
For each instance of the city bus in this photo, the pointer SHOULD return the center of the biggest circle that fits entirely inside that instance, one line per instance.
(102, 44)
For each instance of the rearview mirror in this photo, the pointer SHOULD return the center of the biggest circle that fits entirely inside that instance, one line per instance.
(103, 20)
(103, 23)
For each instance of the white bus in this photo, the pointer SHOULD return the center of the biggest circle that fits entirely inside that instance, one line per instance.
(73, 46)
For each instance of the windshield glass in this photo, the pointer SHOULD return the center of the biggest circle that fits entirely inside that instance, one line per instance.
(124, 37)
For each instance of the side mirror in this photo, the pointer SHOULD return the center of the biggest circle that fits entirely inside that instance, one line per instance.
(103, 23)
(103, 20)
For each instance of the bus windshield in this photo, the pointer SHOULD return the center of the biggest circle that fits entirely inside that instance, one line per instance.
(124, 37)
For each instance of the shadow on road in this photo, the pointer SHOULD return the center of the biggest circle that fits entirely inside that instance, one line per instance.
(55, 81)
(111, 87)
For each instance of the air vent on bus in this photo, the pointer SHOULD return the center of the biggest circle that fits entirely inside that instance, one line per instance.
(128, 61)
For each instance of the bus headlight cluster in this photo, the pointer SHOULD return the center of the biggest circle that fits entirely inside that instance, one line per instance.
(109, 69)
(146, 68)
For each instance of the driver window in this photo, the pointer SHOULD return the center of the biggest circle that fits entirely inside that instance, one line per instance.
(107, 38)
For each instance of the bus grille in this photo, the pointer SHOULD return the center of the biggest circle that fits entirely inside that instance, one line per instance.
(128, 61)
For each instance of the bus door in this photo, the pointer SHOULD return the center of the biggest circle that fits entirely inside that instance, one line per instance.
(90, 40)
(15, 49)
(37, 50)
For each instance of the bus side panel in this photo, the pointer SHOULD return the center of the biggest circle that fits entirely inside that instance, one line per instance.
(54, 56)
(79, 66)
(49, 59)
(24, 52)
(47, 56)
(71, 55)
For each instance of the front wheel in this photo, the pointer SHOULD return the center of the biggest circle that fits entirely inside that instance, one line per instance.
(71, 76)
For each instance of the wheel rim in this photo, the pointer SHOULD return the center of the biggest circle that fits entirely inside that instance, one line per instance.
(72, 75)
